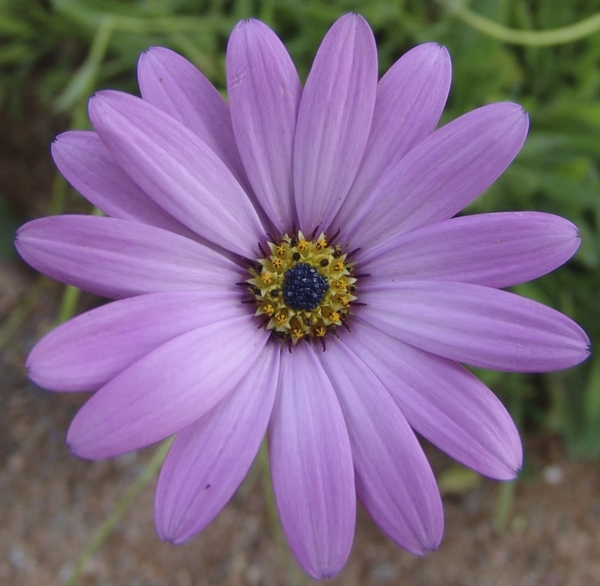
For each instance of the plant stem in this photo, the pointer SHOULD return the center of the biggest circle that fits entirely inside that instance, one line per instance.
(546, 38)
(16, 318)
(102, 533)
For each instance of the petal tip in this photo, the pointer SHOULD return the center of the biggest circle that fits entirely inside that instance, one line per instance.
(20, 241)
(18, 234)
(30, 367)
(250, 30)
(75, 449)
(81, 445)
(354, 22)
(430, 542)
(508, 113)
(434, 50)
(155, 50)
(105, 100)
(510, 468)
(164, 530)
(249, 26)
(86, 450)
(520, 113)
(510, 476)
(172, 530)
(56, 141)
(159, 55)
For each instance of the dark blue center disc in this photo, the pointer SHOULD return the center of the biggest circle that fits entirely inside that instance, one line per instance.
(303, 287)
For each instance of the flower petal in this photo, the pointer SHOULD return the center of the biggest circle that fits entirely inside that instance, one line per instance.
(311, 465)
(92, 170)
(177, 170)
(476, 325)
(209, 459)
(170, 82)
(264, 92)
(440, 175)
(410, 100)
(89, 350)
(334, 120)
(116, 258)
(167, 389)
(393, 477)
(495, 250)
(443, 402)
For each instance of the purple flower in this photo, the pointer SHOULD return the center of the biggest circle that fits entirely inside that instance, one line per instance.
(351, 193)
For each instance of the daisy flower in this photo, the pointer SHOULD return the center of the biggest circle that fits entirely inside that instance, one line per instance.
(289, 263)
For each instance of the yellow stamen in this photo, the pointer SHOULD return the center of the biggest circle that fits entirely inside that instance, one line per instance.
(295, 321)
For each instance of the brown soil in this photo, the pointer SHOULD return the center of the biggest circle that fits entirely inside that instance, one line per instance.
(51, 502)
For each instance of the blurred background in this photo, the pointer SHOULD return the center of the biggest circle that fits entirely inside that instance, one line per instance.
(544, 529)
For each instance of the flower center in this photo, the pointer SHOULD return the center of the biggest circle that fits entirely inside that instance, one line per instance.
(304, 288)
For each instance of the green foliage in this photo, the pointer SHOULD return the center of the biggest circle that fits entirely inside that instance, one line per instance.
(73, 47)
(557, 171)
(8, 226)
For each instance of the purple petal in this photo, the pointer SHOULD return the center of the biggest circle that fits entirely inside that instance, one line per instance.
(393, 478)
(167, 389)
(495, 250)
(264, 92)
(88, 351)
(170, 82)
(410, 100)
(476, 325)
(209, 459)
(311, 464)
(334, 120)
(440, 175)
(91, 169)
(177, 170)
(443, 402)
(117, 258)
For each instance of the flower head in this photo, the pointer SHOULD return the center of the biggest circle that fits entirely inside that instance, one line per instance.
(290, 263)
